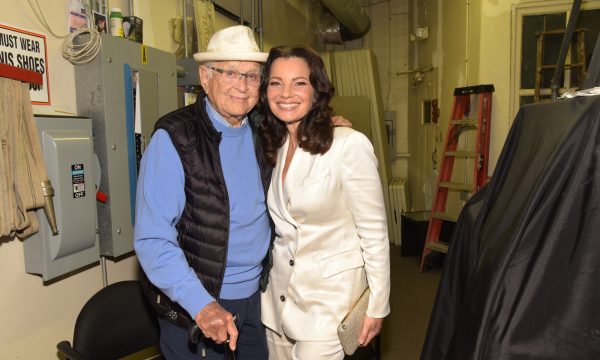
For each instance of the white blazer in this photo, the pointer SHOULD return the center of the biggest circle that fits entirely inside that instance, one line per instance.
(331, 238)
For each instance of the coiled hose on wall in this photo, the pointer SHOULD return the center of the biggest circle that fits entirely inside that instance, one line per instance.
(23, 177)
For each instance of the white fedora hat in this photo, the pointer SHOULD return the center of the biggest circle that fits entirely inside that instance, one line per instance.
(231, 44)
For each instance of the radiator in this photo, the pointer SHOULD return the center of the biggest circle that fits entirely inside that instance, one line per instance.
(397, 200)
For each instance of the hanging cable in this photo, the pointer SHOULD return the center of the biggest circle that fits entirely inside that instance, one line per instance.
(40, 16)
(80, 53)
(84, 51)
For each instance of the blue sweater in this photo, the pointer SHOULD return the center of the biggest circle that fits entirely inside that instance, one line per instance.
(160, 202)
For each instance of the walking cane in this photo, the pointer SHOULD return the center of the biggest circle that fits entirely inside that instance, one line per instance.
(195, 334)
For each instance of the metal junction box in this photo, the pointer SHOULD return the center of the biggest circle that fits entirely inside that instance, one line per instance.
(124, 90)
(67, 149)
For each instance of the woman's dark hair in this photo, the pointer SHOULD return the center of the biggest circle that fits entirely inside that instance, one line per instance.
(315, 132)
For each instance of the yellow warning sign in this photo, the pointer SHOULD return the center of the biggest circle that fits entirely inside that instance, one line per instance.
(144, 54)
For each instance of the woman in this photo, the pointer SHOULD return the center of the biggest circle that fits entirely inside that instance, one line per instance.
(326, 201)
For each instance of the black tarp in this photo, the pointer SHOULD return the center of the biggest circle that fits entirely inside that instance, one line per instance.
(522, 277)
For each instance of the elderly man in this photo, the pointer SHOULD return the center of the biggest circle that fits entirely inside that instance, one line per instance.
(202, 230)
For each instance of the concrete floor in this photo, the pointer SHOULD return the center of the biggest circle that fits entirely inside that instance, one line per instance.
(411, 300)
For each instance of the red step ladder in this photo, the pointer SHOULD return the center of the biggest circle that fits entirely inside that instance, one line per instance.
(460, 123)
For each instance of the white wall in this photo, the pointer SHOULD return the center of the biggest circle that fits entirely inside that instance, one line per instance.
(388, 39)
(494, 68)
(35, 317)
(489, 54)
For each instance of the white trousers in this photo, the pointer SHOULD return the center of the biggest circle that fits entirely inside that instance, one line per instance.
(284, 348)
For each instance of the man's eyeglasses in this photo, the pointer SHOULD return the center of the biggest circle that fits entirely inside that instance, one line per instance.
(231, 76)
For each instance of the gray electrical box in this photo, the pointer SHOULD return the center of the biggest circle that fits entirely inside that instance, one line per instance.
(68, 155)
(124, 90)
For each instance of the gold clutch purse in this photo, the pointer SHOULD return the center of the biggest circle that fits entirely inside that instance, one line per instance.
(349, 329)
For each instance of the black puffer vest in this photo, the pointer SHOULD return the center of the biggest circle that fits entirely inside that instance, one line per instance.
(203, 229)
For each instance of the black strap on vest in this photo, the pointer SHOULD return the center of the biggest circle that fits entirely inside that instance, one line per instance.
(164, 307)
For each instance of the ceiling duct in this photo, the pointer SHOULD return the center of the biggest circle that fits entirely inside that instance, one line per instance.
(353, 22)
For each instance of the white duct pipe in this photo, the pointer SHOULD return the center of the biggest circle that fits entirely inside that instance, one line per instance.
(350, 14)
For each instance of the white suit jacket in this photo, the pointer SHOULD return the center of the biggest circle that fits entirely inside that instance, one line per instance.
(331, 239)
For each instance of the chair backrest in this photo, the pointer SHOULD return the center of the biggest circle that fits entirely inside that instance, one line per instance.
(115, 322)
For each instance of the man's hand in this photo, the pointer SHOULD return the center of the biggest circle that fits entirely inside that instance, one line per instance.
(217, 324)
(340, 121)
(371, 327)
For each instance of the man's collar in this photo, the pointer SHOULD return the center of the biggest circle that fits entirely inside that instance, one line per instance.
(213, 114)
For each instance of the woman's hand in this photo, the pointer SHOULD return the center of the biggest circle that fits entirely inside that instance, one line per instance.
(371, 327)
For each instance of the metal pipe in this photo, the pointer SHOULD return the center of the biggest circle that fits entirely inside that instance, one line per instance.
(99, 6)
(564, 48)
(185, 30)
(260, 25)
(104, 271)
(466, 138)
(468, 4)
(131, 12)
(242, 12)
(253, 11)
(593, 74)
(106, 13)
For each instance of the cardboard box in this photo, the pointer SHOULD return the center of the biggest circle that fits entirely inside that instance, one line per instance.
(133, 28)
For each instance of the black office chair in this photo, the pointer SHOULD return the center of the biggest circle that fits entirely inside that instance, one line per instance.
(115, 322)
